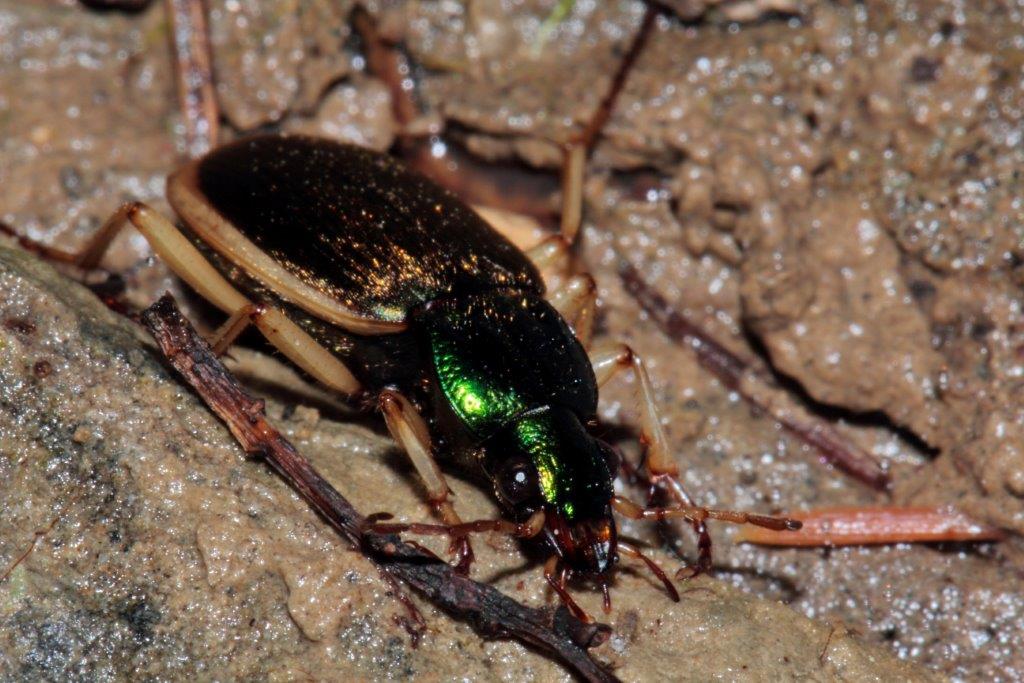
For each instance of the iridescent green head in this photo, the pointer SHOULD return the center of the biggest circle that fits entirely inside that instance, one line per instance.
(545, 460)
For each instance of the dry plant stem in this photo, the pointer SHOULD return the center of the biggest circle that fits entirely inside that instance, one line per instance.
(756, 388)
(193, 67)
(491, 613)
(875, 526)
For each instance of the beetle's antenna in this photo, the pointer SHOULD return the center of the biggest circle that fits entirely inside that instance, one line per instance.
(528, 529)
(633, 551)
(697, 515)
(607, 595)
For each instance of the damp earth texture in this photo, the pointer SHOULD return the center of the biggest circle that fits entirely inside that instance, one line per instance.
(832, 190)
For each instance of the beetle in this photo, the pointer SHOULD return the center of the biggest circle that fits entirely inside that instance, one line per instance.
(385, 287)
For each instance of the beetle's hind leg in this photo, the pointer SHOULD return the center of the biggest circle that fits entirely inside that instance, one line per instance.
(87, 257)
(182, 257)
(410, 432)
(660, 466)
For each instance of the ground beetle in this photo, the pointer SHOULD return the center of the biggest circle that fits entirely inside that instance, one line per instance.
(384, 286)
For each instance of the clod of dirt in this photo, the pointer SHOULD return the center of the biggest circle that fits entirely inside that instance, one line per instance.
(909, 111)
(357, 115)
(67, 160)
(822, 289)
(156, 549)
(273, 57)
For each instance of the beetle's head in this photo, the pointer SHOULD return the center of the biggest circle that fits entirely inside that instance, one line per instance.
(545, 460)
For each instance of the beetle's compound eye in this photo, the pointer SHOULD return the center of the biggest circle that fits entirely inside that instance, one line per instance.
(517, 481)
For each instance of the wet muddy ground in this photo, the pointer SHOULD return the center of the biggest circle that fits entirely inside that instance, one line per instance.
(832, 190)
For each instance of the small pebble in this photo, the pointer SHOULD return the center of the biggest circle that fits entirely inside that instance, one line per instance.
(42, 369)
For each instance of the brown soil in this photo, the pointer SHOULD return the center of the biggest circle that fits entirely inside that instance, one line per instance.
(832, 190)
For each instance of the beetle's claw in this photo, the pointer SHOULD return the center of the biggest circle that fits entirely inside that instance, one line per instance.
(689, 571)
(463, 550)
(373, 520)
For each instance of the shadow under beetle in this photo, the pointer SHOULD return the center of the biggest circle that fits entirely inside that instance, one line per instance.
(385, 287)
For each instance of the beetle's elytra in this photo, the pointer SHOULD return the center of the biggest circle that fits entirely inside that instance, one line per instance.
(355, 225)
(380, 284)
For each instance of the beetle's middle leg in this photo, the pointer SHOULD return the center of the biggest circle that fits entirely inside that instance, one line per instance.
(410, 432)
(182, 257)
(576, 301)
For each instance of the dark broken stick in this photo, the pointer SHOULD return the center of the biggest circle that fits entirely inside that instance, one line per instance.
(490, 612)
(756, 388)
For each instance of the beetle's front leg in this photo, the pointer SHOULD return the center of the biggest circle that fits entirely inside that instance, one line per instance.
(609, 362)
(661, 467)
(410, 431)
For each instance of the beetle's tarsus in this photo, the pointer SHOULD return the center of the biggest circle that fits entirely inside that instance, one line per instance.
(463, 550)
(556, 575)
(630, 550)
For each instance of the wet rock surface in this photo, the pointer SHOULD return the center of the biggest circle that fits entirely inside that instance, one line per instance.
(830, 190)
(156, 549)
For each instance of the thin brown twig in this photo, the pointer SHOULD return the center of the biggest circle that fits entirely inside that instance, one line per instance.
(757, 388)
(490, 612)
(197, 99)
(36, 536)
